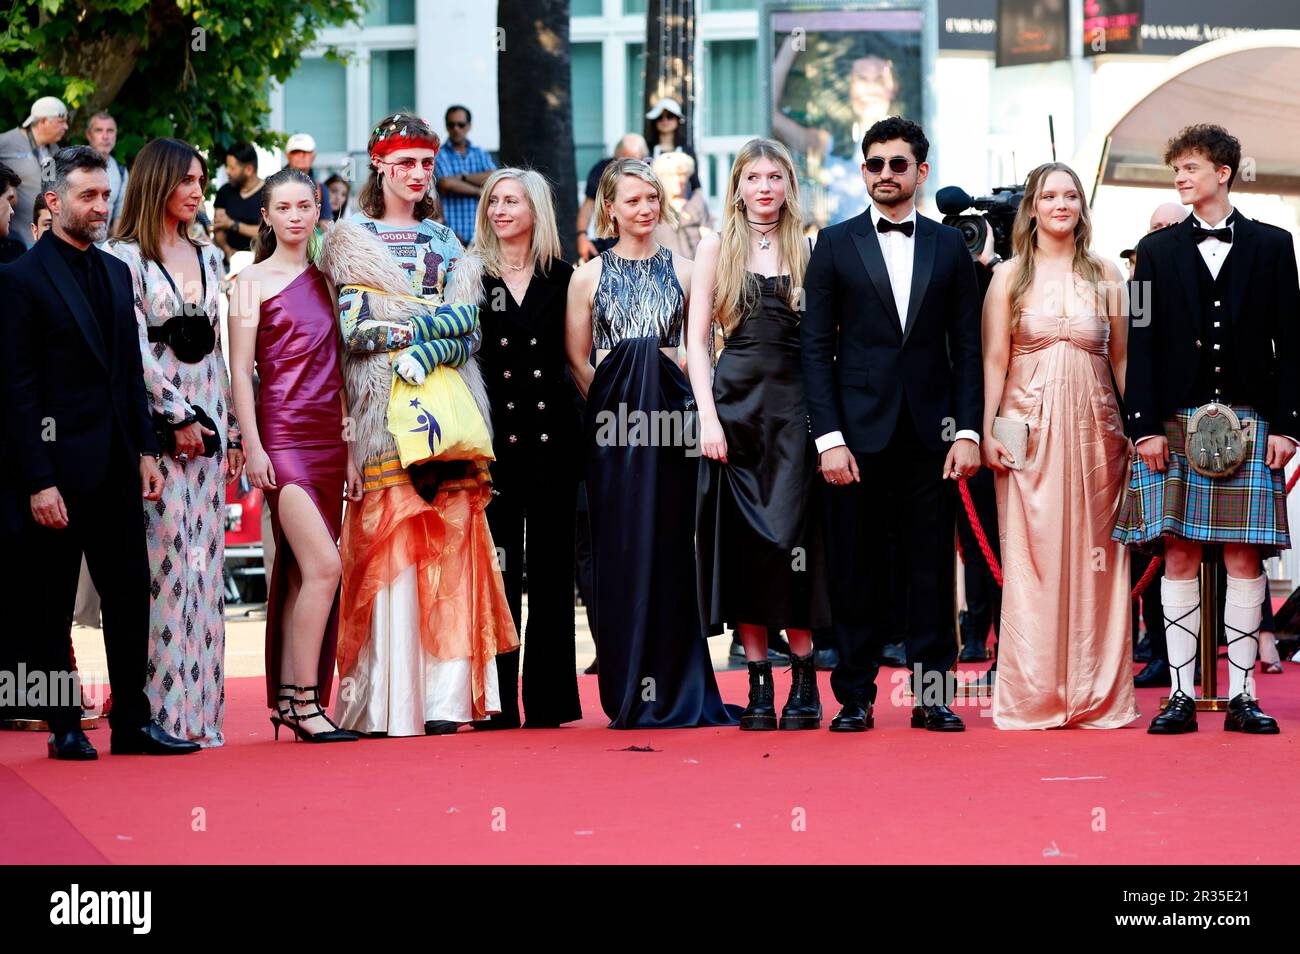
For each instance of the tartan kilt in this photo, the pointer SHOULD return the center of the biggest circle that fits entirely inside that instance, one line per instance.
(1248, 507)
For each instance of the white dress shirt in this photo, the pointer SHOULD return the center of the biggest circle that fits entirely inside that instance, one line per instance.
(897, 249)
(1213, 250)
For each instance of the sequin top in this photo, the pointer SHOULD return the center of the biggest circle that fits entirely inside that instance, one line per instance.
(637, 298)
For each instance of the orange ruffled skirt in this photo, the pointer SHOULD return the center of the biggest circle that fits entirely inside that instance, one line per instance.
(462, 608)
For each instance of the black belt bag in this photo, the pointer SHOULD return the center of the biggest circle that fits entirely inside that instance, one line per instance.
(190, 334)
(165, 431)
(191, 337)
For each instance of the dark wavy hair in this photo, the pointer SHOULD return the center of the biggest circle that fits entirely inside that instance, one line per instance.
(371, 197)
(1213, 142)
(896, 127)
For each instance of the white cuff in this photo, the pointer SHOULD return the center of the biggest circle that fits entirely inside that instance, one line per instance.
(829, 441)
(1291, 439)
(968, 435)
(1138, 442)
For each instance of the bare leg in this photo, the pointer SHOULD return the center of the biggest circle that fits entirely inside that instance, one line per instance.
(800, 641)
(754, 639)
(319, 566)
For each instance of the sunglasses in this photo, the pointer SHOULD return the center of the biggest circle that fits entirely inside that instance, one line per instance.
(457, 125)
(898, 165)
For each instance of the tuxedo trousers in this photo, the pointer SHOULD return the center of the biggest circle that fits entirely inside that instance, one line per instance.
(106, 525)
(904, 483)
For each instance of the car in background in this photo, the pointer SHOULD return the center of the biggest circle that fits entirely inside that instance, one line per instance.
(244, 576)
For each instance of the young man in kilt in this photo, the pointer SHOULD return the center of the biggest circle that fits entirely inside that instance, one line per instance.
(1215, 320)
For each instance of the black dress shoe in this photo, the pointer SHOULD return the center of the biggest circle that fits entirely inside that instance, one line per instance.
(826, 659)
(483, 725)
(440, 727)
(1244, 715)
(150, 740)
(974, 650)
(71, 746)
(591, 670)
(1178, 718)
(1156, 674)
(1142, 651)
(894, 654)
(853, 718)
(936, 719)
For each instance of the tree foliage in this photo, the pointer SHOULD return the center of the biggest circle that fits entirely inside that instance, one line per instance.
(195, 69)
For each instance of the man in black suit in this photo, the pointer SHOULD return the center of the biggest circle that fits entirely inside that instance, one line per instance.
(894, 384)
(1215, 334)
(80, 437)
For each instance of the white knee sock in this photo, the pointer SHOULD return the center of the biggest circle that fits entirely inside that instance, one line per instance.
(1242, 610)
(1182, 607)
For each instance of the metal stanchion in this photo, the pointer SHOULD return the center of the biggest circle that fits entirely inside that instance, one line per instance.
(1208, 699)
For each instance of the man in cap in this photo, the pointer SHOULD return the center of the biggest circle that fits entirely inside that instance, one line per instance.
(300, 151)
(26, 148)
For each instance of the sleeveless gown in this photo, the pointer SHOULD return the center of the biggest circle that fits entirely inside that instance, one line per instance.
(655, 670)
(759, 526)
(300, 422)
(1064, 655)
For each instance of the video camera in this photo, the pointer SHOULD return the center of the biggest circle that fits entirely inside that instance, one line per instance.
(996, 212)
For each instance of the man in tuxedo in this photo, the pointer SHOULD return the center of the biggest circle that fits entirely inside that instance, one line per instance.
(80, 438)
(1216, 326)
(894, 385)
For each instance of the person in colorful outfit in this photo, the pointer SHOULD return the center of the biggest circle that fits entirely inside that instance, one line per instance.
(424, 609)
(176, 283)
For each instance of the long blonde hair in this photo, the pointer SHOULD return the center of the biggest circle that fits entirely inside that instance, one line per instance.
(606, 227)
(735, 289)
(544, 244)
(1024, 240)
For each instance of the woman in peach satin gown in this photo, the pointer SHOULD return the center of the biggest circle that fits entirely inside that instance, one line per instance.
(1055, 326)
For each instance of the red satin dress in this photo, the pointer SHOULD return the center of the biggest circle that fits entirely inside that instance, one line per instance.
(300, 422)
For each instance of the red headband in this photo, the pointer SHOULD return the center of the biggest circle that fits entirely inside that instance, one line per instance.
(392, 143)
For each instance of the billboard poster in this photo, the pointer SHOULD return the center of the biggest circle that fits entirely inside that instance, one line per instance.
(834, 74)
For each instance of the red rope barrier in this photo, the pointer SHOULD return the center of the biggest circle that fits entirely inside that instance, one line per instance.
(1152, 569)
(1148, 575)
(980, 537)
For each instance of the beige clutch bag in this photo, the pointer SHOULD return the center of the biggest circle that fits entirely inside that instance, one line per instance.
(1014, 436)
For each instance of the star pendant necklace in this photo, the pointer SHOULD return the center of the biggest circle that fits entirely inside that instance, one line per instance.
(764, 243)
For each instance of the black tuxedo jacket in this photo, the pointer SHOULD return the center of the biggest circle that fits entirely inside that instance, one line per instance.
(64, 389)
(859, 359)
(1165, 326)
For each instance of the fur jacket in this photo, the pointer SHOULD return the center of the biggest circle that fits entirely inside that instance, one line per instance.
(352, 255)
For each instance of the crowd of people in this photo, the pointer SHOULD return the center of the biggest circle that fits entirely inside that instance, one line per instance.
(424, 389)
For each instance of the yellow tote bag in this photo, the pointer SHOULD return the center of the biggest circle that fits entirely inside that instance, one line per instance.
(437, 420)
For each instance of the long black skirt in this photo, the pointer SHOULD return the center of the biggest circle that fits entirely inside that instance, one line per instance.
(655, 670)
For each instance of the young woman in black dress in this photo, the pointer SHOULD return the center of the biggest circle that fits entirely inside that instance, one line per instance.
(759, 534)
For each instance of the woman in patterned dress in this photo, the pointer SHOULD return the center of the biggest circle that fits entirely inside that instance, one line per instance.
(189, 392)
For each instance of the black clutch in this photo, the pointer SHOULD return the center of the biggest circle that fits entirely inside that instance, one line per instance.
(165, 431)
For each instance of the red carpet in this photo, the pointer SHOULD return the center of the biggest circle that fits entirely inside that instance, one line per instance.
(892, 795)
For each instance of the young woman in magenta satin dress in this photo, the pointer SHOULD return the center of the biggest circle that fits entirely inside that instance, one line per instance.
(283, 322)
(1055, 337)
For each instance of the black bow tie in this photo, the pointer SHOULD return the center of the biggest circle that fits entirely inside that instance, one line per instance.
(1200, 235)
(883, 225)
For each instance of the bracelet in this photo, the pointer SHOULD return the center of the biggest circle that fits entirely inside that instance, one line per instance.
(235, 445)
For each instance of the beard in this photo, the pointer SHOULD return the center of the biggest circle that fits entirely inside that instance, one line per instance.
(85, 228)
(897, 196)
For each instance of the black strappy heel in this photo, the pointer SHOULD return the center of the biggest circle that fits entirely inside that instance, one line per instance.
(295, 719)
